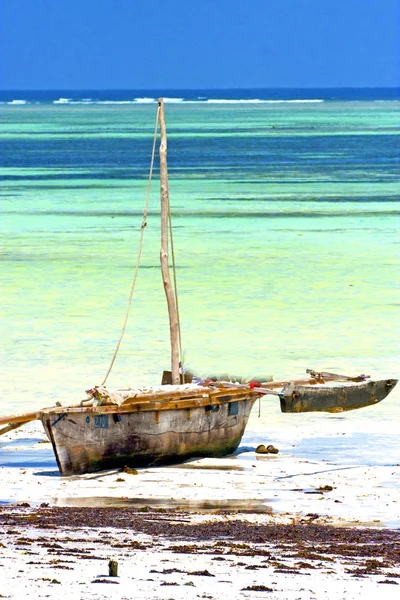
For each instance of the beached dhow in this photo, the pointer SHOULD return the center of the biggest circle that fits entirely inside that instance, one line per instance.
(179, 419)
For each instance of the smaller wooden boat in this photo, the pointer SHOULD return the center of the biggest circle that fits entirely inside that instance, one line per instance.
(324, 392)
(334, 396)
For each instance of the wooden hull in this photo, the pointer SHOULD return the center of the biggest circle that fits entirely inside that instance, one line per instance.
(91, 440)
(334, 397)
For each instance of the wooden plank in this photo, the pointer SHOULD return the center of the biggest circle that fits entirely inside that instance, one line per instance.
(220, 397)
(105, 396)
(336, 377)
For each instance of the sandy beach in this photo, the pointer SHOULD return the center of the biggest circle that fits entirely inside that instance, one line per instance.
(342, 466)
(320, 519)
(287, 238)
(47, 552)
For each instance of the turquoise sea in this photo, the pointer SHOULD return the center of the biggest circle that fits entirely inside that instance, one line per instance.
(286, 228)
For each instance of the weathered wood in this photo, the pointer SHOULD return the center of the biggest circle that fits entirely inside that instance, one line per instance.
(24, 418)
(335, 376)
(268, 385)
(13, 426)
(263, 391)
(86, 441)
(105, 396)
(334, 398)
(167, 378)
(162, 401)
(164, 193)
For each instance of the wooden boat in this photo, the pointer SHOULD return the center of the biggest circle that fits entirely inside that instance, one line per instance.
(141, 427)
(180, 419)
(327, 392)
(334, 396)
(164, 424)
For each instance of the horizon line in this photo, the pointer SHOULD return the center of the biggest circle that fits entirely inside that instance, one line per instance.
(123, 89)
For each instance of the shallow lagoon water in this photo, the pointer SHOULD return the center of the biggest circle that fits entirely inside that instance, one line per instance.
(286, 230)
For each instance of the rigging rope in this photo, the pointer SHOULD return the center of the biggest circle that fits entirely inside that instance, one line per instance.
(175, 289)
(144, 223)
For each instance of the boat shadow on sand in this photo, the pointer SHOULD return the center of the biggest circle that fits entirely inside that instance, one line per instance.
(23, 453)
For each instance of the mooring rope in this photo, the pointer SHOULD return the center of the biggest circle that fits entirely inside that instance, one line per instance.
(144, 223)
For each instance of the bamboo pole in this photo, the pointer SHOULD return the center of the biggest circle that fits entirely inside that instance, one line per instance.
(172, 311)
(24, 418)
(14, 421)
(12, 426)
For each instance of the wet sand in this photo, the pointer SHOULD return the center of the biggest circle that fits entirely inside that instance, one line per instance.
(347, 475)
(318, 520)
(49, 551)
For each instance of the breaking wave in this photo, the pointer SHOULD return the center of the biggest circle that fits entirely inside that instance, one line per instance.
(258, 101)
(16, 102)
(145, 100)
(256, 96)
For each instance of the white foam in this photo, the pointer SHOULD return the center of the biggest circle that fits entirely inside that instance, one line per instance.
(173, 100)
(178, 100)
(145, 100)
(91, 101)
(312, 101)
(16, 102)
(258, 101)
(111, 102)
(230, 101)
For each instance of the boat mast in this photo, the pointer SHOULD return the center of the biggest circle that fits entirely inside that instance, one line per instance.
(172, 311)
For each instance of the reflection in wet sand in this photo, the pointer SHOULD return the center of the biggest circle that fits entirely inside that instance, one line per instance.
(191, 505)
(205, 467)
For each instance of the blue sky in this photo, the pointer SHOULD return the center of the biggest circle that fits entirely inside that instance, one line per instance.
(139, 44)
